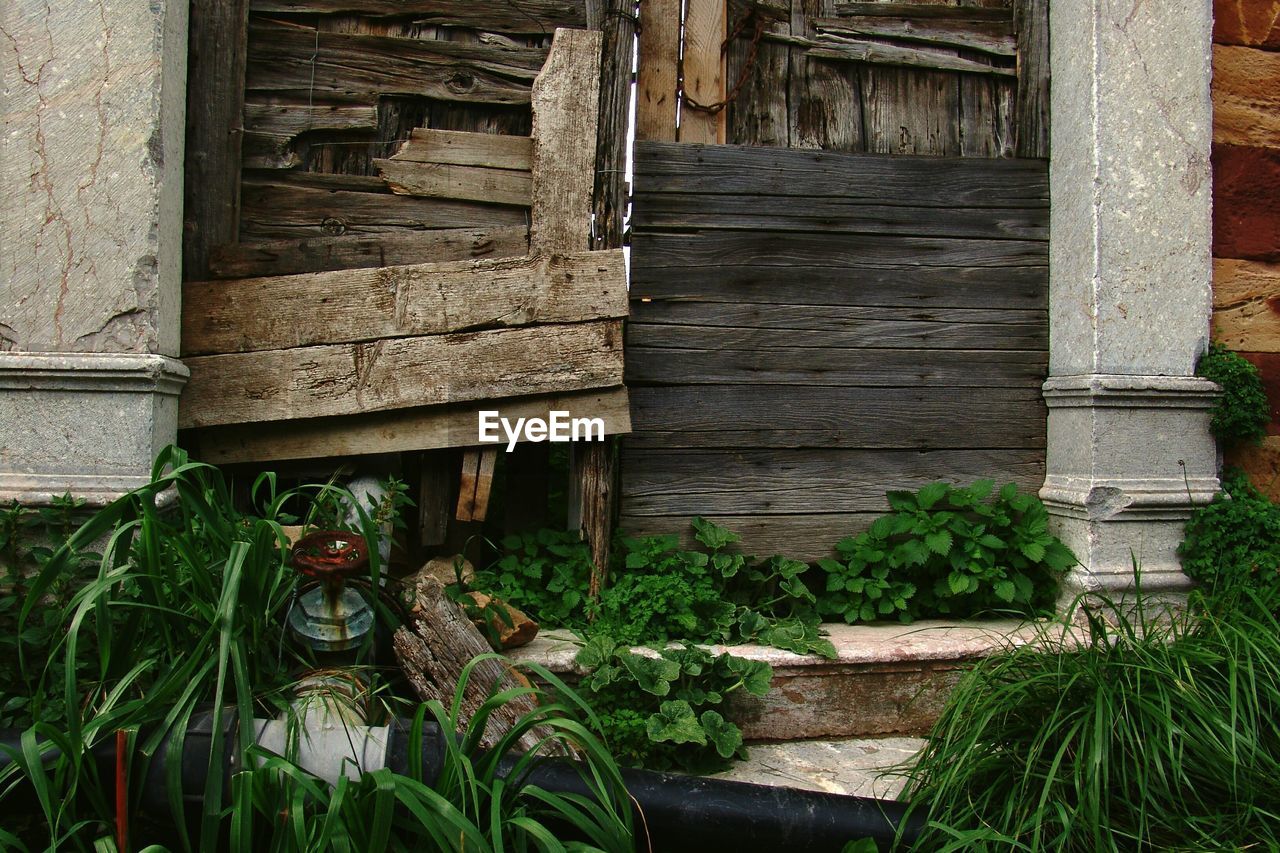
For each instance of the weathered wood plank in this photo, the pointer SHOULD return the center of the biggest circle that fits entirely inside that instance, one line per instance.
(993, 37)
(796, 313)
(927, 11)
(566, 100)
(909, 111)
(215, 87)
(460, 148)
(316, 63)
(477, 484)
(855, 284)
(824, 100)
(613, 144)
(759, 415)
(294, 205)
(345, 379)
(808, 537)
(723, 356)
(740, 481)
(319, 254)
(527, 16)
(467, 183)
(270, 130)
(759, 115)
(1031, 21)
(431, 427)
(673, 211)
(987, 115)
(592, 490)
(878, 53)
(391, 302)
(656, 70)
(941, 181)
(705, 28)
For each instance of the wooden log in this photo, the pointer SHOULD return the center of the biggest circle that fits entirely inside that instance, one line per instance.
(477, 484)
(565, 111)
(657, 86)
(393, 302)
(437, 644)
(322, 254)
(470, 183)
(705, 29)
(534, 17)
(215, 86)
(511, 626)
(1031, 126)
(993, 37)
(459, 148)
(387, 432)
(347, 379)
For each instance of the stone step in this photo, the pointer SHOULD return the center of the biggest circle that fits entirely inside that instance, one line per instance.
(885, 680)
(859, 767)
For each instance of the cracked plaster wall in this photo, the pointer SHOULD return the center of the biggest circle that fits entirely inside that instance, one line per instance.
(91, 174)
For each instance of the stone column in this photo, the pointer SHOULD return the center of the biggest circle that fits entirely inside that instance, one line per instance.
(91, 154)
(1129, 450)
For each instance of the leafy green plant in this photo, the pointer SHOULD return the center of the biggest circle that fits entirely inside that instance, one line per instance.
(1242, 413)
(545, 574)
(1148, 731)
(663, 708)
(1234, 541)
(947, 550)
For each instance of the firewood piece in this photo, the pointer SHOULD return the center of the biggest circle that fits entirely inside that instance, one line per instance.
(516, 630)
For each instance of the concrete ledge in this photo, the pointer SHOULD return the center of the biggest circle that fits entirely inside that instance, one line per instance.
(886, 679)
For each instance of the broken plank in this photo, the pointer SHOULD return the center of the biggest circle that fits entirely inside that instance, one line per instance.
(927, 11)
(532, 17)
(345, 306)
(422, 428)
(347, 379)
(876, 53)
(565, 114)
(993, 37)
(467, 183)
(462, 148)
(319, 254)
(271, 129)
(656, 70)
(476, 485)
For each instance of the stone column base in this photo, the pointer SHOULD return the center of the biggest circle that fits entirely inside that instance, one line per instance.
(1129, 457)
(89, 424)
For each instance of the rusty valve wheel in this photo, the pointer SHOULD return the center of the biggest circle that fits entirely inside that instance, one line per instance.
(330, 555)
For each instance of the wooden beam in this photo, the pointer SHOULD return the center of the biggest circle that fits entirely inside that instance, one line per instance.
(533, 17)
(705, 28)
(426, 428)
(467, 183)
(463, 148)
(215, 99)
(476, 485)
(395, 302)
(656, 74)
(878, 53)
(565, 114)
(1031, 110)
(346, 379)
(993, 37)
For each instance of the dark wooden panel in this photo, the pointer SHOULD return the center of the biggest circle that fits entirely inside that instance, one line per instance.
(758, 415)
(671, 211)
(680, 482)
(808, 537)
(741, 314)
(526, 16)
(923, 11)
(1031, 18)
(936, 181)
(822, 328)
(1023, 287)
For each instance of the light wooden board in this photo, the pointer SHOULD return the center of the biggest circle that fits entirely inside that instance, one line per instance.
(477, 483)
(393, 302)
(460, 148)
(469, 183)
(705, 28)
(656, 71)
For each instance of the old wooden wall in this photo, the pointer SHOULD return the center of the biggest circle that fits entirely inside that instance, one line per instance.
(811, 328)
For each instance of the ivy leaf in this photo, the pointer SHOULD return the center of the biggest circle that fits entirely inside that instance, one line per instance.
(722, 734)
(675, 722)
(1004, 590)
(652, 675)
(939, 541)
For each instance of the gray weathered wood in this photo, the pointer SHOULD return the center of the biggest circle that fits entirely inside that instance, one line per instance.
(346, 379)
(928, 11)
(612, 137)
(824, 98)
(271, 130)
(318, 254)
(566, 98)
(759, 114)
(279, 312)
(435, 486)
(994, 37)
(215, 86)
(460, 148)
(1031, 19)
(469, 183)
(877, 53)
(796, 313)
(592, 477)
(526, 16)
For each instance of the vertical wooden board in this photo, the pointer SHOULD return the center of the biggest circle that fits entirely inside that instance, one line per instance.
(911, 111)
(824, 100)
(758, 115)
(656, 70)
(215, 102)
(705, 28)
(1031, 22)
(476, 484)
(566, 97)
(612, 144)
(986, 115)
(592, 475)
(435, 487)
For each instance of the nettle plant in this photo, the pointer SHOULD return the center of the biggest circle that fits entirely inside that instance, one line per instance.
(947, 550)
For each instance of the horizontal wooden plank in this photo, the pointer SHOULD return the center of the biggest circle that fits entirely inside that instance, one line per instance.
(924, 11)
(318, 254)
(525, 17)
(294, 205)
(347, 379)
(856, 284)
(347, 306)
(901, 55)
(696, 251)
(760, 415)
(709, 361)
(460, 148)
(796, 315)
(809, 537)
(304, 60)
(951, 182)
(470, 183)
(270, 130)
(820, 328)
(993, 37)
(673, 211)
(680, 482)
(423, 428)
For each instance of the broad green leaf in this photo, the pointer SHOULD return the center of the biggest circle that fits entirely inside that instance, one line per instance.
(958, 582)
(713, 535)
(931, 494)
(1004, 590)
(939, 541)
(652, 675)
(675, 722)
(722, 734)
(756, 675)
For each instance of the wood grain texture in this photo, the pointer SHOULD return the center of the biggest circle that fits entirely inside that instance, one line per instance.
(460, 148)
(476, 485)
(1031, 21)
(467, 183)
(354, 251)
(215, 97)
(280, 312)
(271, 131)
(527, 16)
(656, 70)
(923, 11)
(705, 29)
(421, 428)
(566, 98)
(824, 98)
(907, 56)
(346, 379)
(759, 115)
(613, 144)
(993, 37)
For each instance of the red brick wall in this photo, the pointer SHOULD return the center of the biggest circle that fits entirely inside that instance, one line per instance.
(1246, 203)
